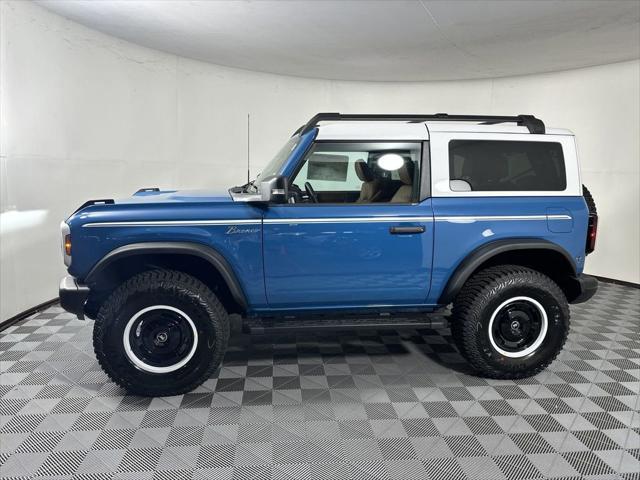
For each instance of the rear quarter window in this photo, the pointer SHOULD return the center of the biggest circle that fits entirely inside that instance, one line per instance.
(508, 166)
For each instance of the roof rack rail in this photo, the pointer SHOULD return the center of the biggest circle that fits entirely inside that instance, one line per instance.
(533, 124)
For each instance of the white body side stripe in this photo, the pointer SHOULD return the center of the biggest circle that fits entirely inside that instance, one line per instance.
(170, 223)
(347, 220)
(500, 218)
(293, 221)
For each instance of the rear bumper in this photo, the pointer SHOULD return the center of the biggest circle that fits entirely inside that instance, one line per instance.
(586, 287)
(73, 296)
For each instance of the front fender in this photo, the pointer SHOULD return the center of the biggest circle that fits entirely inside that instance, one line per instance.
(208, 254)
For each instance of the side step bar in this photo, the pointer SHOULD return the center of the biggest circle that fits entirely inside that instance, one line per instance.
(284, 325)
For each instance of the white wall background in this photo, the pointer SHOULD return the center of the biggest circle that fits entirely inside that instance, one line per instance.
(85, 115)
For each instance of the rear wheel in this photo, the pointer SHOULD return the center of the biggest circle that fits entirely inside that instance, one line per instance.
(160, 333)
(510, 321)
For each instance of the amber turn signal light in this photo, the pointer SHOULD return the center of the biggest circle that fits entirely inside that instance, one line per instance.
(67, 244)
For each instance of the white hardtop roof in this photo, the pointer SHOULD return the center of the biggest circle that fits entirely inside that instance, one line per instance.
(373, 130)
(506, 127)
(401, 130)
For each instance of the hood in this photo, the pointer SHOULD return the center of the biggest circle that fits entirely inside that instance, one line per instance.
(150, 200)
(145, 196)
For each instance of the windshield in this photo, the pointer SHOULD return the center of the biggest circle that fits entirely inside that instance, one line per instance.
(274, 166)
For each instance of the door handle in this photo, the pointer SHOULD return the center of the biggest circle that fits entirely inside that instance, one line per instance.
(406, 230)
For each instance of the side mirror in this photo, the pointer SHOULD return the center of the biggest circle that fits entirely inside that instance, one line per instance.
(273, 189)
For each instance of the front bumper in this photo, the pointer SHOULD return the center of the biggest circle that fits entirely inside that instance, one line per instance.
(585, 286)
(73, 296)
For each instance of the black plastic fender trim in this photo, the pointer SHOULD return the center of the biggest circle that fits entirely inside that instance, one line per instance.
(489, 250)
(180, 248)
(586, 287)
(73, 296)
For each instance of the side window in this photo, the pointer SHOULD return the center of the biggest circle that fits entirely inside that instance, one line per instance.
(358, 172)
(495, 165)
(331, 171)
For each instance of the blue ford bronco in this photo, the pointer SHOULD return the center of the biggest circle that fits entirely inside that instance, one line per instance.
(358, 221)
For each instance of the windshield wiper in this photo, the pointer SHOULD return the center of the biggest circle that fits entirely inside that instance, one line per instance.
(247, 187)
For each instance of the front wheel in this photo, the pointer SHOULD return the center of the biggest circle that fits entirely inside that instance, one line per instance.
(510, 321)
(160, 333)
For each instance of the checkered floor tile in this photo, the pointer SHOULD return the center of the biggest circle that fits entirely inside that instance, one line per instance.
(355, 405)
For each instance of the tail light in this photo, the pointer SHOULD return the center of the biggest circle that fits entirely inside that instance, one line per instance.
(592, 233)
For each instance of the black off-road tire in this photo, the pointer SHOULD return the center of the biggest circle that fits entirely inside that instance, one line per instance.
(161, 287)
(479, 299)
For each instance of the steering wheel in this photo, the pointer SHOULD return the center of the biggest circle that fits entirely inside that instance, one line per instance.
(311, 192)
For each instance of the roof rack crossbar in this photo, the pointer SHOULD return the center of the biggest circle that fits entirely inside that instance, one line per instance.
(533, 124)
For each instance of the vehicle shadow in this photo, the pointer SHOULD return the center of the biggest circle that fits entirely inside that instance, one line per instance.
(430, 348)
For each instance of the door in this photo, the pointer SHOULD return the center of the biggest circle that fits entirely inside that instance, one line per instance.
(367, 240)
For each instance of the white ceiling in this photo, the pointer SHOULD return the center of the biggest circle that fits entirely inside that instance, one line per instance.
(375, 40)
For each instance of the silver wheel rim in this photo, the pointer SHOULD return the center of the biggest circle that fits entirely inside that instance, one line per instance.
(539, 339)
(152, 368)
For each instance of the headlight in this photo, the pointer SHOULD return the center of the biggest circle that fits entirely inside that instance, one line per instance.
(66, 243)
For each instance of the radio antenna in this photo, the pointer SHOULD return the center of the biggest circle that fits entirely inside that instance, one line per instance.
(248, 150)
